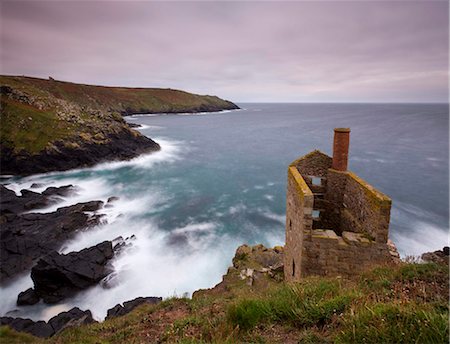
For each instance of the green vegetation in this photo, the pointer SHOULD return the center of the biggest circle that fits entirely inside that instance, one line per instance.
(12, 337)
(26, 127)
(309, 303)
(403, 304)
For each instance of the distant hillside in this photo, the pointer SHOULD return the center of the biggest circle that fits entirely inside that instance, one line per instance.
(49, 125)
(123, 100)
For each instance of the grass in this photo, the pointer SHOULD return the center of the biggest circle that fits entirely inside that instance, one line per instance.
(26, 127)
(12, 337)
(402, 304)
(315, 302)
(395, 323)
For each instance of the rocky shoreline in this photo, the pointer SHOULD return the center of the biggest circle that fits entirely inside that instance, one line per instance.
(30, 241)
(22, 231)
(123, 145)
(73, 317)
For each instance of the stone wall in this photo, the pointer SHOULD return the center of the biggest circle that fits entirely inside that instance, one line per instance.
(334, 196)
(365, 209)
(327, 254)
(298, 218)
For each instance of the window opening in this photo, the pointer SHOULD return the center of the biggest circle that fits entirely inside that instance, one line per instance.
(316, 181)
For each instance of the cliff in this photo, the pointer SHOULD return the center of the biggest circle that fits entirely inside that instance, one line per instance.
(403, 303)
(49, 125)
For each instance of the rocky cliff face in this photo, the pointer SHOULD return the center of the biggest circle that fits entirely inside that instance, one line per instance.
(49, 125)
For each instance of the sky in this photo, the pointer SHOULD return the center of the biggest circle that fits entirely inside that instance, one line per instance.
(244, 51)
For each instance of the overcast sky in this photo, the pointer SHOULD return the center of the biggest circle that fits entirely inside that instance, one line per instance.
(318, 51)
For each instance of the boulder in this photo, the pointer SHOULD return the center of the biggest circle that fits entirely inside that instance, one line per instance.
(112, 199)
(27, 297)
(119, 310)
(62, 191)
(74, 317)
(57, 276)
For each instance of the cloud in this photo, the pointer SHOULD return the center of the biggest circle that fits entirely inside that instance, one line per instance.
(243, 51)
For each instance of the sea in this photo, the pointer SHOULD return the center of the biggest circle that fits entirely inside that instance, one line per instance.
(219, 181)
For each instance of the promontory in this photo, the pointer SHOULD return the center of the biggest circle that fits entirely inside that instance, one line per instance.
(50, 125)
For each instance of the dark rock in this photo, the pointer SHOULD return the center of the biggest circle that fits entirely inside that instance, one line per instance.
(58, 191)
(57, 276)
(63, 320)
(27, 297)
(225, 105)
(74, 317)
(112, 199)
(33, 200)
(11, 203)
(120, 244)
(38, 328)
(446, 250)
(36, 185)
(122, 145)
(24, 238)
(119, 310)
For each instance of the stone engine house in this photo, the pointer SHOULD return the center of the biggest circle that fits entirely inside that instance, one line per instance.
(336, 223)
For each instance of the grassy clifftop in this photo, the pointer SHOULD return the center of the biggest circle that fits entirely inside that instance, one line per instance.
(406, 303)
(123, 100)
(42, 118)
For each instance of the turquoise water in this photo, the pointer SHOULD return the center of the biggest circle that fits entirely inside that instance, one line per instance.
(220, 181)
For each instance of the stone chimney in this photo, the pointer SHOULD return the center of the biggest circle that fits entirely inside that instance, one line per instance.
(340, 149)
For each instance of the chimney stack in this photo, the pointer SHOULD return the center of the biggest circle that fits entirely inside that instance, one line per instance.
(340, 148)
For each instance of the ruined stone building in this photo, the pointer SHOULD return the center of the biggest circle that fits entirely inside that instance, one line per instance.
(336, 223)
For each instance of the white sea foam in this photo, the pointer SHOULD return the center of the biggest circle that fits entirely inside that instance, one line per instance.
(422, 237)
(150, 267)
(268, 197)
(237, 208)
(9, 293)
(150, 127)
(422, 234)
(277, 217)
(135, 117)
(170, 152)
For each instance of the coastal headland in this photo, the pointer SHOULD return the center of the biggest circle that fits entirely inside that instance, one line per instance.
(50, 125)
